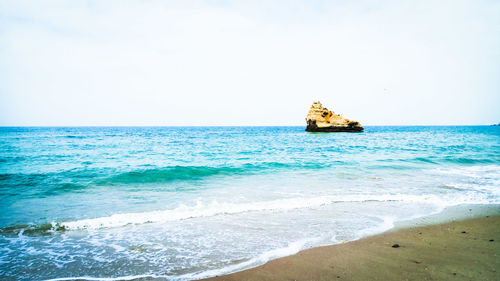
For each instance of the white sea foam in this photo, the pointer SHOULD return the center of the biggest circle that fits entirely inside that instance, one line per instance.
(121, 278)
(214, 208)
(473, 171)
(479, 178)
(290, 249)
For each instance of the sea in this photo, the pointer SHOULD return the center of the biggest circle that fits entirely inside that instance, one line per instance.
(183, 203)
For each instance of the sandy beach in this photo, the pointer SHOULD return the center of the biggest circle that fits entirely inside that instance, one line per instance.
(457, 250)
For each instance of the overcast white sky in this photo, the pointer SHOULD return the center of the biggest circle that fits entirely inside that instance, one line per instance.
(248, 62)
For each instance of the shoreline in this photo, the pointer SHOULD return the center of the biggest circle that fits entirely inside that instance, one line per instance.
(457, 249)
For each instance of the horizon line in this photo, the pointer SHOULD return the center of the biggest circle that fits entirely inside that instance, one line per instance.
(195, 126)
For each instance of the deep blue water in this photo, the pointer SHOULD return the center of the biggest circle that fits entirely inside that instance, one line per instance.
(190, 202)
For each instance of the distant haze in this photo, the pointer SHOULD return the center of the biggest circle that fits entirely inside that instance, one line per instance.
(248, 62)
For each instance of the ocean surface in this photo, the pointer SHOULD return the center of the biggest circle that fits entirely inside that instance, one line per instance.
(184, 203)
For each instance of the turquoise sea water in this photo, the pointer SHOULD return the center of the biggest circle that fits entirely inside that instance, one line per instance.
(185, 203)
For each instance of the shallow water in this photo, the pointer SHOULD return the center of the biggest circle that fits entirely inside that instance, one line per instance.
(182, 203)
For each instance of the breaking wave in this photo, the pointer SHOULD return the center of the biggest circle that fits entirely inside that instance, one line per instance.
(214, 208)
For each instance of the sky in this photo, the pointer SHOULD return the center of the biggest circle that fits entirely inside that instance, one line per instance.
(232, 63)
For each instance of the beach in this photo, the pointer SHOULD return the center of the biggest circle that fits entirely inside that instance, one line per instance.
(249, 140)
(457, 250)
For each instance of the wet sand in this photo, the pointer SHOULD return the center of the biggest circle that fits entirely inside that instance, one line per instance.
(458, 250)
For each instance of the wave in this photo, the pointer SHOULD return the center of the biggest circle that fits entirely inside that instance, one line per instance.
(168, 174)
(200, 209)
(22, 179)
(91, 177)
(402, 163)
(465, 160)
(214, 208)
(176, 173)
(425, 160)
